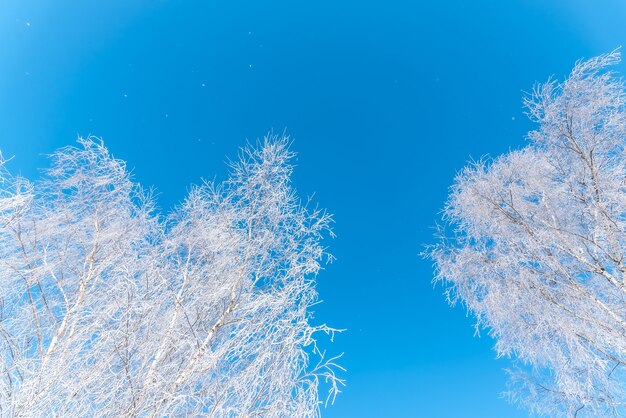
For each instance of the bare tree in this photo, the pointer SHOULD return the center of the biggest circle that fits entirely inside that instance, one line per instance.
(534, 247)
(108, 309)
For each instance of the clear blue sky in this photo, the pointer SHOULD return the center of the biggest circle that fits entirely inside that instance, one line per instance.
(385, 100)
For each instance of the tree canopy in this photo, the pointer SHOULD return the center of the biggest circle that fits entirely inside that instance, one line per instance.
(533, 245)
(108, 308)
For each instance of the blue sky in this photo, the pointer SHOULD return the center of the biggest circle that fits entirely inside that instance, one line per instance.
(385, 102)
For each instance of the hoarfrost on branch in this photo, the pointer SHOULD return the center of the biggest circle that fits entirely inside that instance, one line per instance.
(109, 309)
(534, 247)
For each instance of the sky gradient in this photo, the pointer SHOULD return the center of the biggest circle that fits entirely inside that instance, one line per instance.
(385, 101)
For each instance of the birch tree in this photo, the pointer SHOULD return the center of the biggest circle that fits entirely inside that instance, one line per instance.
(108, 308)
(534, 247)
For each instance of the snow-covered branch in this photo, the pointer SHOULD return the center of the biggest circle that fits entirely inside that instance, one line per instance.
(109, 309)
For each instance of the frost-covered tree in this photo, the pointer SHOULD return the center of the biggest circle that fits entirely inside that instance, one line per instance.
(535, 243)
(109, 309)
